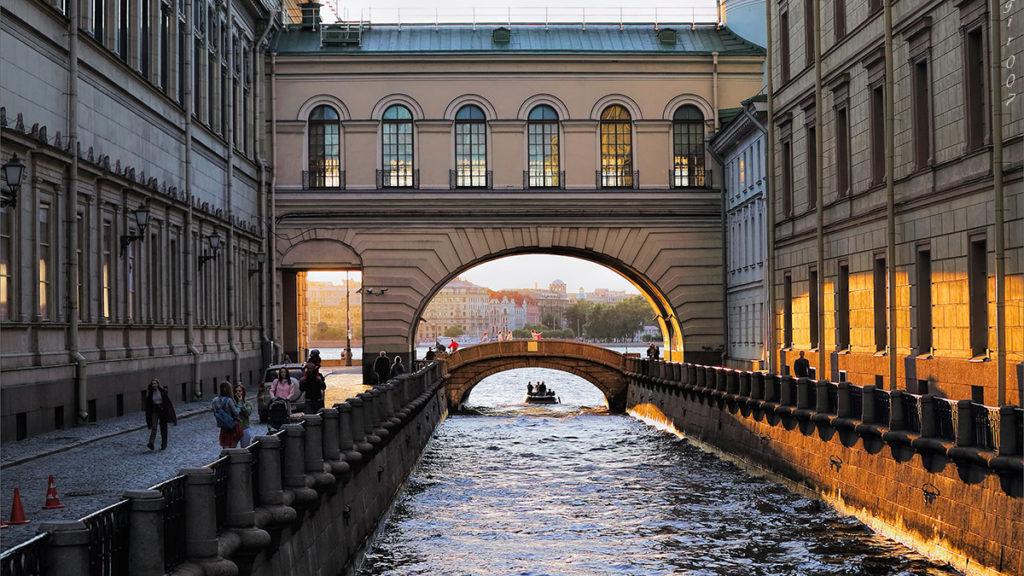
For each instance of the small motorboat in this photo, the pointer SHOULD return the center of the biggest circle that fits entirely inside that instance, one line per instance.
(547, 397)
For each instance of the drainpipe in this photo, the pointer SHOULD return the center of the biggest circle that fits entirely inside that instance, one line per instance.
(81, 364)
(769, 196)
(714, 86)
(229, 135)
(257, 59)
(819, 184)
(271, 241)
(190, 268)
(890, 193)
(997, 192)
(725, 252)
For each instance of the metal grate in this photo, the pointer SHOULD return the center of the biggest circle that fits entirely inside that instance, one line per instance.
(883, 404)
(27, 558)
(986, 426)
(173, 491)
(912, 413)
(856, 402)
(945, 419)
(108, 540)
(254, 449)
(220, 491)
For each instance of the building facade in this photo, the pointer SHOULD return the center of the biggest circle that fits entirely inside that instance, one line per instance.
(128, 252)
(741, 147)
(848, 283)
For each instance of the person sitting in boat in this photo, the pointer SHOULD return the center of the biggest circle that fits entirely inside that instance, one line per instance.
(529, 388)
(541, 388)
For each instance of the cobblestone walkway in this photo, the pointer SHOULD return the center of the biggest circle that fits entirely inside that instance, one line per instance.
(94, 465)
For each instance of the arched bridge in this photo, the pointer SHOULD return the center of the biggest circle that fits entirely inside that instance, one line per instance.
(602, 367)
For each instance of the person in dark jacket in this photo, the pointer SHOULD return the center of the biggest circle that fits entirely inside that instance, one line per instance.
(801, 367)
(313, 385)
(159, 411)
(397, 369)
(382, 367)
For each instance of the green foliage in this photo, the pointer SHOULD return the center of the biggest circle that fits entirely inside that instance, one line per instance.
(619, 322)
(454, 331)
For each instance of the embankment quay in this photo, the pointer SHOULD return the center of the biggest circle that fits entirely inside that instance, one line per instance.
(944, 477)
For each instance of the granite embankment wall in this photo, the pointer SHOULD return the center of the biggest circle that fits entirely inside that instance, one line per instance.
(303, 501)
(943, 477)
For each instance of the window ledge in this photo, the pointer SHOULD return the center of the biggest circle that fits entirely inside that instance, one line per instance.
(982, 358)
(843, 352)
(880, 353)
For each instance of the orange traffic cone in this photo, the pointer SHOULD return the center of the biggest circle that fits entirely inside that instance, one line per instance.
(2, 523)
(52, 501)
(17, 512)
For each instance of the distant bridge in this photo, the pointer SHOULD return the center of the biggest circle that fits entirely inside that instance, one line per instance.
(600, 366)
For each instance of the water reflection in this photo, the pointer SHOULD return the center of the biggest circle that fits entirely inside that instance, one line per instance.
(571, 490)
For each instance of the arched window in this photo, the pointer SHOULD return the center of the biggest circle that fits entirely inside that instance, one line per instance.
(542, 147)
(688, 148)
(396, 164)
(324, 149)
(470, 148)
(616, 148)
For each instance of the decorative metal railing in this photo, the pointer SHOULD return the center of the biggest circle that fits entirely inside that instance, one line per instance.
(220, 490)
(26, 559)
(108, 540)
(173, 491)
(945, 419)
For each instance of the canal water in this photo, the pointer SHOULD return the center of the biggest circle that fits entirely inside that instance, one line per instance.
(571, 490)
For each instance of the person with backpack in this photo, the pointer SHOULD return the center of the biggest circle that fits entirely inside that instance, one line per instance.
(225, 411)
(313, 385)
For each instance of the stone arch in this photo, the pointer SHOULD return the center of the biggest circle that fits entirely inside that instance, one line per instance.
(392, 99)
(621, 99)
(459, 102)
(319, 254)
(538, 99)
(327, 99)
(603, 368)
(683, 99)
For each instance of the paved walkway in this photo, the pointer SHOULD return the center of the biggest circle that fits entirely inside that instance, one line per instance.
(93, 465)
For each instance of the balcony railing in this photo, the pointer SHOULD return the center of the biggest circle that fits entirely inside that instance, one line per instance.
(551, 180)
(701, 178)
(617, 179)
(312, 180)
(398, 179)
(466, 179)
(108, 539)
(173, 491)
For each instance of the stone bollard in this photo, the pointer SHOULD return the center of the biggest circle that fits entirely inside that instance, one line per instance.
(965, 422)
(822, 403)
(331, 434)
(867, 403)
(929, 420)
(294, 461)
(269, 488)
(68, 551)
(896, 420)
(771, 388)
(786, 386)
(744, 389)
(145, 533)
(345, 442)
(1009, 442)
(844, 401)
(239, 493)
(358, 430)
(757, 386)
(721, 378)
(375, 434)
(803, 393)
(200, 514)
(732, 382)
(313, 446)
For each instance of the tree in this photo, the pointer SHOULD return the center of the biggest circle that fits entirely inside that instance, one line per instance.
(576, 315)
(454, 331)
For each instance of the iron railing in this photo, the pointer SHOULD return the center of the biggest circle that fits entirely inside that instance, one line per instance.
(553, 179)
(323, 180)
(220, 491)
(398, 179)
(701, 178)
(882, 403)
(986, 426)
(945, 419)
(254, 449)
(108, 540)
(912, 413)
(173, 491)
(856, 402)
(27, 558)
(617, 179)
(469, 179)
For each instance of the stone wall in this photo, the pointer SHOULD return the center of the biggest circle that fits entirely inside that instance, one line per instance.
(952, 500)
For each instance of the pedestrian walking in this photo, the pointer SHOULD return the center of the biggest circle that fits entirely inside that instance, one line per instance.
(397, 369)
(801, 367)
(226, 414)
(244, 410)
(382, 367)
(159, 411)
(312, 385)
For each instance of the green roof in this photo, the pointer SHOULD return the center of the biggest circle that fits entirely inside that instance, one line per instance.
(727, 114)
(525, 39)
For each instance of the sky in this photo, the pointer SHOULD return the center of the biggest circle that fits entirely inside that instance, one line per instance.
(527, 271)
(522, 10)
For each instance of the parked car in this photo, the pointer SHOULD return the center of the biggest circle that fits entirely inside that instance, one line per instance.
(263, 395)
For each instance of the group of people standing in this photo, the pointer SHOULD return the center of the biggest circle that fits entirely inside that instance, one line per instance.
(385, 368)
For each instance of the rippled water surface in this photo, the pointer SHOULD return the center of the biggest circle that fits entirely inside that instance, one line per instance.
(571, 490)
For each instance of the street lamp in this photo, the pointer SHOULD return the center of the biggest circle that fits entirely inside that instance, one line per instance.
(348, 325)
(13, 171)
(142, 221)
(213, 241)
(260, 258)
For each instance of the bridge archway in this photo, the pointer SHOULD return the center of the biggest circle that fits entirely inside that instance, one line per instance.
(602, 367)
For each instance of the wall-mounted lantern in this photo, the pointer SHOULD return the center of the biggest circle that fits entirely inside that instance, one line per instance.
(260, 258)
(13, 171)
(213, 242)
(142, 221)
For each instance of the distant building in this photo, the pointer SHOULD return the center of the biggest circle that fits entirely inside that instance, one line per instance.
(460, 303)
